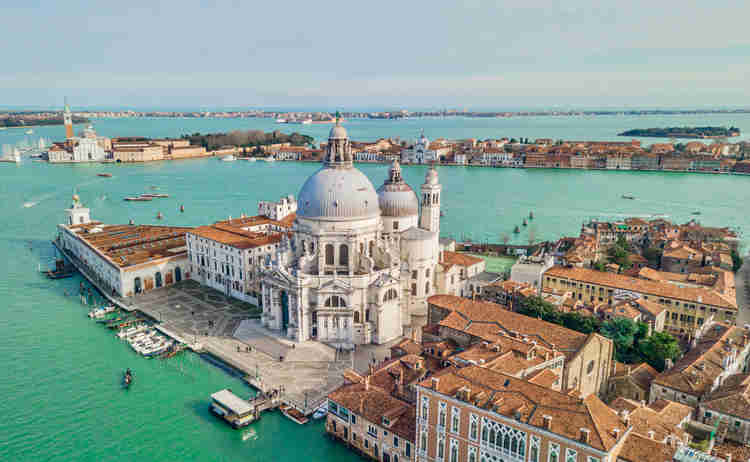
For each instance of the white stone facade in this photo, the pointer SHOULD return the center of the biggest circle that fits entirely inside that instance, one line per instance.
(278, 210)
(344, 275)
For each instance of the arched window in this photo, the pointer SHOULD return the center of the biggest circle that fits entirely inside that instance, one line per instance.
(372, 248)
(329, 254)
(157, 278)
(361, 248)
(427, 273)
(343, 255)
(427, 289)
(335, 302)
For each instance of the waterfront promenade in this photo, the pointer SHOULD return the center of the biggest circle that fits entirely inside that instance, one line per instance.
(209, 322)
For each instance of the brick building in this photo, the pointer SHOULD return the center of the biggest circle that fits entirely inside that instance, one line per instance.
(587, 359)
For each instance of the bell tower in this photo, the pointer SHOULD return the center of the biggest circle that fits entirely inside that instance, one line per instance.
(68, 120)
(430, 218)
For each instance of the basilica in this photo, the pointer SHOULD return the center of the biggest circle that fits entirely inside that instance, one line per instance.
(357, 264)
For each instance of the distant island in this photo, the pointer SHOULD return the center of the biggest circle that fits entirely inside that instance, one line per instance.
(246, 138)
(26, 120)
(684, 132)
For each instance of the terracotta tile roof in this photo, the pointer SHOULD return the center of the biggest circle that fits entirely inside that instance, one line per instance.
(683, 252)
(696, 371)
(408, 346)
(643, 374)
(545, 378)
(619, 281)
(528, 402)
(129, 245)
(490, 320)
(637, 448)
(372, 403)
(460, 259)
(738, 452)
(732, 397)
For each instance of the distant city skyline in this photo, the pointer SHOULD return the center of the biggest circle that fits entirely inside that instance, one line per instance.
(376, 56)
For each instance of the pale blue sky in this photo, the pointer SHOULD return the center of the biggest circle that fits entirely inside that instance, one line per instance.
(371, 54)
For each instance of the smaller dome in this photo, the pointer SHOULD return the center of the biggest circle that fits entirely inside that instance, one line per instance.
(395, 197)
(337, 133)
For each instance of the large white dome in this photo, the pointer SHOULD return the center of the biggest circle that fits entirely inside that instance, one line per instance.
(337, 194)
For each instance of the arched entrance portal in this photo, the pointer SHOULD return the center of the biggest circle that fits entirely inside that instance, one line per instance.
(284, 311)
(177, 274)
(157, 277)
(137, 285)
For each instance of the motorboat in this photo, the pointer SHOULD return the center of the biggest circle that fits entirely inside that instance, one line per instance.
(251, 159)
(229, 158)
(132, 331)
(628, 196)
(155, 195)
(101, 312)
(293, 414)
(138, 199)
(321, 412)
(524, 222)
(270, 159)
(104, 175)
(516, 230)
(29, 132)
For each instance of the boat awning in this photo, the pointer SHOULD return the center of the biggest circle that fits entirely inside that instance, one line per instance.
(232, 402)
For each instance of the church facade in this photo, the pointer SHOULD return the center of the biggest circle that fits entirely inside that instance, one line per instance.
(358, 264)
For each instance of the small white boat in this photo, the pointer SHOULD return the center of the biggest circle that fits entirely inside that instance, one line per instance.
(270, 159)
(101, 312)
(132, 331)
(321, 412)
(29, 132)
(280, 121)
(229, 158)
(251, 159)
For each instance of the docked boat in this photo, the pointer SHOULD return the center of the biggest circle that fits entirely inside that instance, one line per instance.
(270, 159)
(182, 208)
(131, 331)
(250, 159)
(138, 199)
(293, 414)
(101, 312)
(14, 158)
(104, 175)
(234, 410)
(628, 196)
(61, 270)
(321, 412)
(229, 158)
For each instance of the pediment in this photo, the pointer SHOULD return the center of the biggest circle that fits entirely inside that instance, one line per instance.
(335, 285)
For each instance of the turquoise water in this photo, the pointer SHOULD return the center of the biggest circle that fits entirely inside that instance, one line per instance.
(61, 372)
(569, 128)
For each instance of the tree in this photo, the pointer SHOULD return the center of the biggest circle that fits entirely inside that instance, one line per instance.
(653, 255)
(736, 261)
(622, 332)
(536, 307)
(657, 348)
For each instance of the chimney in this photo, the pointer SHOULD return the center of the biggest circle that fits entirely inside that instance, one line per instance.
(367, 383)
(435, 382)
(546, 422)
(584, 436)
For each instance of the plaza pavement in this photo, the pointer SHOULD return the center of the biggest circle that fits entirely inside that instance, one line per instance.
(212, 322)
